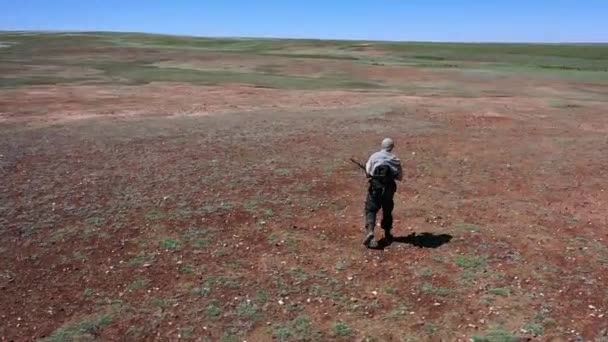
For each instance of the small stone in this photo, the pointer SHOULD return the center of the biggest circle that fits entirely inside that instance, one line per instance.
(591, 307)
(375, 293)
(281, 302)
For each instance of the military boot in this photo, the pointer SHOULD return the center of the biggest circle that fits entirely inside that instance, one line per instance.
(369, 241)
(388, 236)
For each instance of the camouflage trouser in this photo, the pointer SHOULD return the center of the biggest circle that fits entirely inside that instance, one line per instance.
(380, 197)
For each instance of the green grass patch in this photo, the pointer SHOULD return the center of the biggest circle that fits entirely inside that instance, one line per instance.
(186, 270)
(299, 275)
(197, 238)
(342, 330)
(398, 313)
(202, 291)
(261, 297)
(156, 215)
(534, 328)
(248, 310)
(391, 291)
(471, 262)
(162, 303)
(138, 284)
(14, 82)
(219, 282)
(141, 260)
(170, 245)
(299, 329)
(500, 291)
(435, 291)
(85, 330)
(186, 333)
(431, 329)
(426, 272)
(213, 311)
(497, 335)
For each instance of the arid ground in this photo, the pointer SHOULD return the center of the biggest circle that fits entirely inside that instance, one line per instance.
(157, 188)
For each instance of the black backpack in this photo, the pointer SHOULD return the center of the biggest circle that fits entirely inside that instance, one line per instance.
(381, 177)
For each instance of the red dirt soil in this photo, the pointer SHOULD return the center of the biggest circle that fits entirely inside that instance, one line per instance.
(518, 184)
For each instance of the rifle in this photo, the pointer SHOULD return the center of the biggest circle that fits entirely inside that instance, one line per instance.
(361, 166)
(371, 177)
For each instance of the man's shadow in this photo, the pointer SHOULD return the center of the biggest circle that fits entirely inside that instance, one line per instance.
(423, 240)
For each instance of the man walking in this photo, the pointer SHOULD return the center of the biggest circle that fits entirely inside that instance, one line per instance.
(384, 168)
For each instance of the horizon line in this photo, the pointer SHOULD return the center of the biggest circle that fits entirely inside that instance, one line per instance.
(300, 38)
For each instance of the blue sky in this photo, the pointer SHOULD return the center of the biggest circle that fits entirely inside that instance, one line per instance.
(426, 20)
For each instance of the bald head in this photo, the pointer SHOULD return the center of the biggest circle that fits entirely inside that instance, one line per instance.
(388, 144)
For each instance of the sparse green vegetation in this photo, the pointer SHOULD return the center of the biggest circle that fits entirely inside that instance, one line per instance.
(84, 330)
(171, 245)
(397, 313)
(431, 329)
(543, 61)
(497, 335)
(262, 297)
(470, 262)
(141, 260)
(299, 274)
(247, 310)
(299, 329)
(201, 291)
(229, 282)
(436, 291)
(162, 303)
(426, 272)
(341, 265)
(213, 311)
(186, 333)
(186, 270)
(341, 329)
(391, 291)
(500, 291)
(138, 284)
(534, 328)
